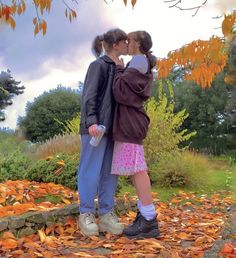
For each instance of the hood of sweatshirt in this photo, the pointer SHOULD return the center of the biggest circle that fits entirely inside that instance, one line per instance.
(138, 83)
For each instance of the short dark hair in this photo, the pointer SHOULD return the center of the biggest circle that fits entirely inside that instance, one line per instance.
(108, 39)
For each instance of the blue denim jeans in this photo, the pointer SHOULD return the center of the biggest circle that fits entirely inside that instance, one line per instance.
(94, 176)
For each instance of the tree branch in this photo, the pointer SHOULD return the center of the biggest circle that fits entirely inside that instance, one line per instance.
(177, 2)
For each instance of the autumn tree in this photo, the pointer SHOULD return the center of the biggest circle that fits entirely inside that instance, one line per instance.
(202, 59)
(9, 88)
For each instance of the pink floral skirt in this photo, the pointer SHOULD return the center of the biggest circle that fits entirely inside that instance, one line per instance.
(128, 159)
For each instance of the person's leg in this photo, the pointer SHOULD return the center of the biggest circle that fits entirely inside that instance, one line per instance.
(108, 221)
(91, 160)
(142, 184)
(145, 223)
(107, 182)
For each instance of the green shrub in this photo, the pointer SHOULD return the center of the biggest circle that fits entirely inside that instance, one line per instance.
(9, 142)
(40, 122)
(14, 166)
(61, 169)
(72, 126)
(183, 170)
(123, 181)
(164, 133)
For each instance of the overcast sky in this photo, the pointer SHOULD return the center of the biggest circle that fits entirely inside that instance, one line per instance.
(63, 55)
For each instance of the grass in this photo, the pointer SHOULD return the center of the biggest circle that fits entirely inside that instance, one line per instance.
(50, 198)
(67, 143)
(217, 173)
(215, 178)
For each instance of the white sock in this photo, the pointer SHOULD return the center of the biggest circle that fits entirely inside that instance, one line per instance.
(139, 204)
(148, 211)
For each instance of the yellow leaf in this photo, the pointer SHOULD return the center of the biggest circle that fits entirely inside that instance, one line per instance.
(83, 254)
(61, 163)
(23, 5)
(48, 5)
(66, 201)
(44, 28)
(36, 29)
(133, 2)
(13, 8)
(151, 242)
(51, 241)
(42, 235)
(48, 157)
(36, 2)
(34, 22)
(74, 15)
(183, 236)
(2, 200)
(19, 9)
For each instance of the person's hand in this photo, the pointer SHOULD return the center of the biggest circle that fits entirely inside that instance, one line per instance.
(93, 130)
(119, 61)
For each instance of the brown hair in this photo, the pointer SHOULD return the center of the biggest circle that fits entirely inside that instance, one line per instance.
(145, 42)
(107, 40)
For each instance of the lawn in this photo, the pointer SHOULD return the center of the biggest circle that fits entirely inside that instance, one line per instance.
(220, 177)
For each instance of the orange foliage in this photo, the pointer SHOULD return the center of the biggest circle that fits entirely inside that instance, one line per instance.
(203, 60)
(7, 13)
(228, 23)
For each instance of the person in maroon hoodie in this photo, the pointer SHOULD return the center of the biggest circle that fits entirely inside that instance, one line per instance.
(131, 88)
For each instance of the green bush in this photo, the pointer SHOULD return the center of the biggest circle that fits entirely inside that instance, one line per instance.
(72, 126)
(42, 115)
(14, 166)
(164, 133)
(9, 142)
(185, 169)
(61, 169)
(123, 181)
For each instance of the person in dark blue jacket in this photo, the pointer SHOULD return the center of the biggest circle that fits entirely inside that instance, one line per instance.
(94, 173)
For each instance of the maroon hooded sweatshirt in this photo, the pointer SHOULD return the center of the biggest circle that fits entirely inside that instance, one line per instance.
(131, 89)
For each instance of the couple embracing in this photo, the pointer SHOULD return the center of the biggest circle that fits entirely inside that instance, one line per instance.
(113, 96)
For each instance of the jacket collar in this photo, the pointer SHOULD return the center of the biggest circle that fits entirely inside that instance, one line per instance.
(107, 59)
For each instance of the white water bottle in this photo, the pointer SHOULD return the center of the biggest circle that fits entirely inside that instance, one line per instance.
(96, 139)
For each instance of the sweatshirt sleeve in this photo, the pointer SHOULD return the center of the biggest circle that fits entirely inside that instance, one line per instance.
(121, 88)
(94, 78)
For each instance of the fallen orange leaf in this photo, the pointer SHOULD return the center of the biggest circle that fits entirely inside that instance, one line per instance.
(9, 244)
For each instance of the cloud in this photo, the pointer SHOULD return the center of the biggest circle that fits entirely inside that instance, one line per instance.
(226, 5)
(63, 55)
(26, 55)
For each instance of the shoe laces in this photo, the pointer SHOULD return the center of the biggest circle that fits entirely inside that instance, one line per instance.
(113, 217)
(89, 218)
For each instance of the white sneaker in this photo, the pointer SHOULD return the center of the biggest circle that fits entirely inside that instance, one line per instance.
(110, 223)
(87, 224)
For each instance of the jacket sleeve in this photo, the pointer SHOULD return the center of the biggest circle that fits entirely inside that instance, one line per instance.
(121, 88)
(94, 79)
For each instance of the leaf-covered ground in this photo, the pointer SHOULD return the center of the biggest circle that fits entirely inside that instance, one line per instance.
(189, 226)
(17, 197)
